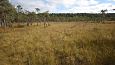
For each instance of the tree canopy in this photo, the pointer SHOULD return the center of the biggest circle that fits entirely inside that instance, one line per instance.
(9, 14)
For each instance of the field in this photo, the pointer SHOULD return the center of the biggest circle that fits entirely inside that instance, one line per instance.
(67, 43)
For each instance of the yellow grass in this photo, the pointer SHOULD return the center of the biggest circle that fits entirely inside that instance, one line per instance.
(58, 44)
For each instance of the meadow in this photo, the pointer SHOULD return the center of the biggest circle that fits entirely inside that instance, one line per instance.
(60, 43)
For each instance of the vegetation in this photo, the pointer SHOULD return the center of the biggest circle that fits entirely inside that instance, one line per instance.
(59, 44)
(62, 38)
(7, 13)
(10, 15)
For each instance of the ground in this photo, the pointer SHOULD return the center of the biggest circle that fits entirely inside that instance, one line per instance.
(67, 43)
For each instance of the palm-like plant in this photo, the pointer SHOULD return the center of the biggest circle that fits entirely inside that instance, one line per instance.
(37, 10)
(19, 8)
(103, 13)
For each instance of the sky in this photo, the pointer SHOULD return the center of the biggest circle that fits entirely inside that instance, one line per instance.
(66, 6)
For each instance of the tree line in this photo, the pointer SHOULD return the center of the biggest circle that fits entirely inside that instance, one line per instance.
(9, 15)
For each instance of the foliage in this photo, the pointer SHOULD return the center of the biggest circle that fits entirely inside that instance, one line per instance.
(9, 14)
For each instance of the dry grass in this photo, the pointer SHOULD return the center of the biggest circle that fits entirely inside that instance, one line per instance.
(58, 44)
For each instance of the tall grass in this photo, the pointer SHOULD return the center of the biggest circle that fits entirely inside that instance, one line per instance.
(59, 44)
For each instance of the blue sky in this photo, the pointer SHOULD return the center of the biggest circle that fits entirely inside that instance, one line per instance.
(67, 6)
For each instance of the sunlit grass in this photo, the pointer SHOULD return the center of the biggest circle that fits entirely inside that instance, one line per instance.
(58, 44)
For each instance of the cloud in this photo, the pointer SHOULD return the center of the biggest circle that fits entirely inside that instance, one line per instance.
(112, 0)
(66, 6)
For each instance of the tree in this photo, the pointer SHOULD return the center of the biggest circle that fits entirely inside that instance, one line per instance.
(19, 8)
(19, 13)
(31, 18)
(103, 13)
(37, 10)
(46, 16)
(6, 12)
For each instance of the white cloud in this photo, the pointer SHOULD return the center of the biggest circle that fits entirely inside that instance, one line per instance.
(112, 0)
(70, 6)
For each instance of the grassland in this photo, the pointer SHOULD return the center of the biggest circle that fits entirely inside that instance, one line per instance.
(58, 44)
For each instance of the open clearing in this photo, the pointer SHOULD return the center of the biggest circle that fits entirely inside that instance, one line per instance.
(66, 43)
